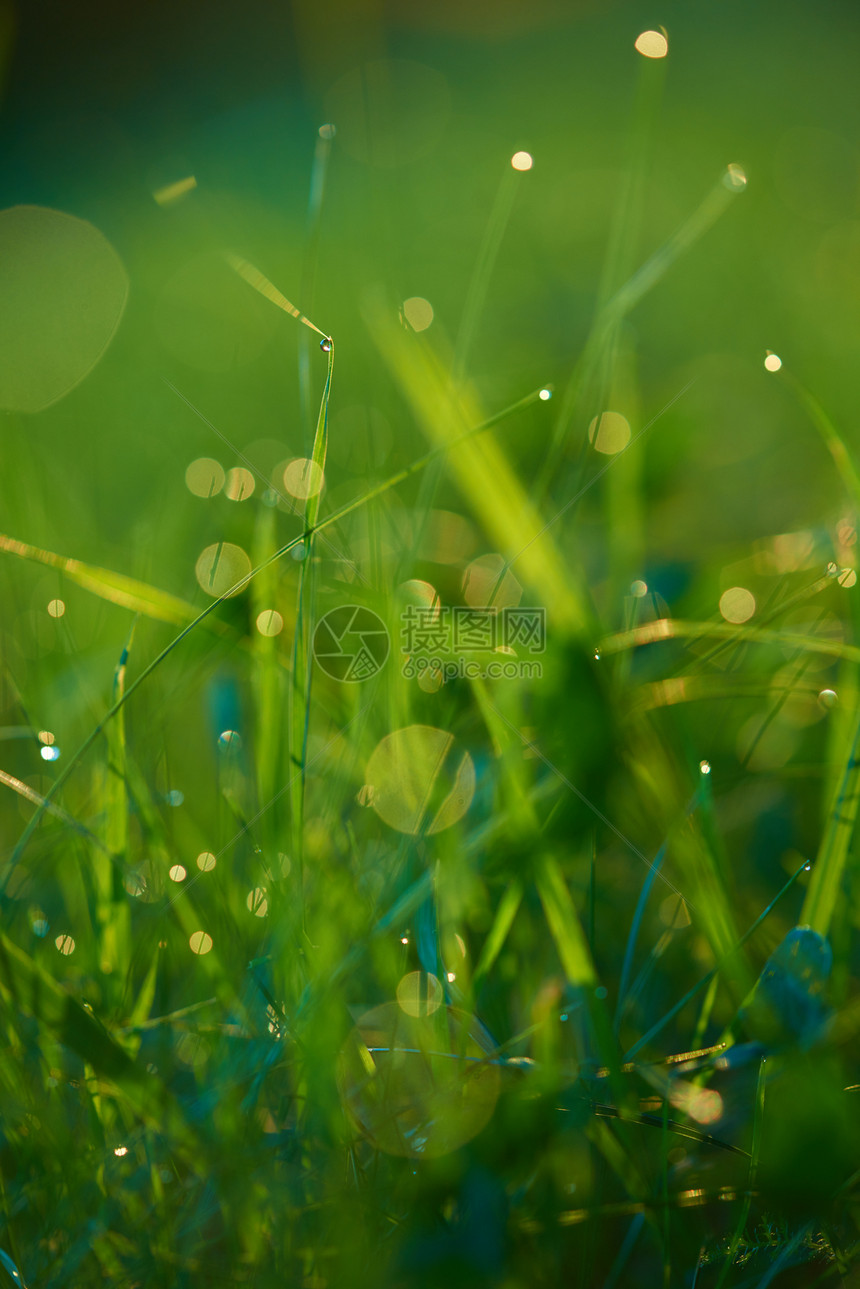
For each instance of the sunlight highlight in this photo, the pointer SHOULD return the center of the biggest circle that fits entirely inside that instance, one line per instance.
(609, 433)
(522, 161)
(418, 312)
(257, 902)
(220, 567)
(239, 485)
(200, 942)
(65, 944)
(737, 604)
(772, 362)
(422, 782)
(269, 622)
(56, 608)
(177, 873)
(419, 993)
(303, 478)
(652, 44)
(735, 177)
(206, 861)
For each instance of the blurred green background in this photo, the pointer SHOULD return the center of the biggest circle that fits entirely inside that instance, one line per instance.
(162, 355)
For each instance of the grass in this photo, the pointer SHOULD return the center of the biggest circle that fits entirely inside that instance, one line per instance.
(516, 998)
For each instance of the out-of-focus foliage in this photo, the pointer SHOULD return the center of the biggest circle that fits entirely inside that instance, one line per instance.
(321, 965)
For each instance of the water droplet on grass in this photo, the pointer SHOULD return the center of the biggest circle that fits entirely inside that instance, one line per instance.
(325, 344)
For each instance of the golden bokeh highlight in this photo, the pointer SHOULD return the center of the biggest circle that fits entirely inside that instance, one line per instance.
(177, 873)
(206, 861)
(522, 161)
(220, 567)
(418, 312)
(420, 993)
(772, 362)
(609, 433)
(270, 623)
(64, 290)
(303, 478)
(205, 477)
(652, 44)
(421, 782)
(487, 582)
(430, 680)
(65, 944)
(418, 1086)
(420, 593)
(200, 942)
(56, 608)
(257, 901)
(735, 176)
(737, 604)
(239, 485)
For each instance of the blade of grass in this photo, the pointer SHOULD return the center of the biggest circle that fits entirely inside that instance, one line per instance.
(113, 914)
(480, 466)
(758, 1116)
(319, 172)
(709, 976)
(831, 860)
(117, 588)
(476, 294)
(676, 629)
(300, 690)
(626, 298)
(348, 508)
(30, 989)
(832, 439)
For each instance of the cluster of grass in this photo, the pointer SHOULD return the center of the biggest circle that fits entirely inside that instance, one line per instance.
(560, 986)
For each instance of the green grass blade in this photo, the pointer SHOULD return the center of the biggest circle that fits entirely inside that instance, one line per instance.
(480, 468)
(476, 294)
(30, 989)
(564, 923)
(830, 864)
(117, 588)
(498, 933)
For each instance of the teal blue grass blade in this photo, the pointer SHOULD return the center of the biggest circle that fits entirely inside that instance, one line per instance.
(630, 947)
(705, 980)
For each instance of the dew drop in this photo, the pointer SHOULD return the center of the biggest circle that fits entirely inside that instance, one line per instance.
(597, 655)
(325, 344)
(49, 753)
(828, 698)
(807, 868)
(704, 767)
(545, 395)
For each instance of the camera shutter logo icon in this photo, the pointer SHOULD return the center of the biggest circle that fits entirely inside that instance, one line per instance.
(351, 643)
